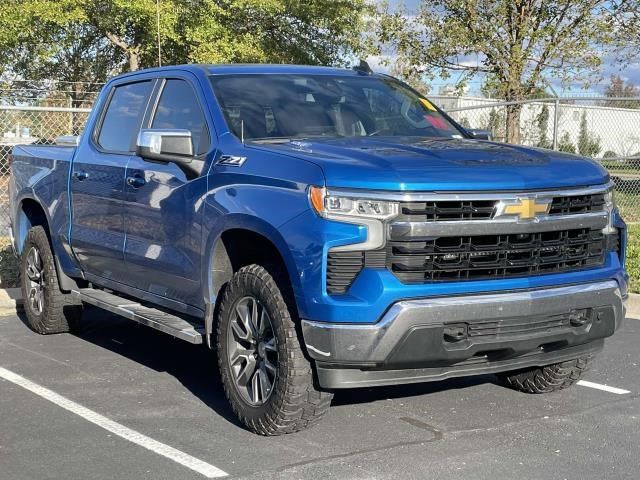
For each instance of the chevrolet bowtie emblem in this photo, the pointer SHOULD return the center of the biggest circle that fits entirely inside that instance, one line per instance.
(527, 208)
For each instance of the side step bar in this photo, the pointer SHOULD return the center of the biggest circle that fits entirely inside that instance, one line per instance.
(163, 321)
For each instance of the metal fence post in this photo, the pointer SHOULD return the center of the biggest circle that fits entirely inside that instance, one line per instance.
(556, 118)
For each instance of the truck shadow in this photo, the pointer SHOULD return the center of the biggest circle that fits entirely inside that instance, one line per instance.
(195, 367)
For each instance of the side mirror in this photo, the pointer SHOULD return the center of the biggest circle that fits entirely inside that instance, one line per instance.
(479, 134)
(165, 145)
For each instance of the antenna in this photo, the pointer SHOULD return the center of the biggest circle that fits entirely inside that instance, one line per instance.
(158, 23)
(242, 131)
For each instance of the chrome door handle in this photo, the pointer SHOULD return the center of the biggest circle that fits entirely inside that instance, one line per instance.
(136, 182)
(81, 175)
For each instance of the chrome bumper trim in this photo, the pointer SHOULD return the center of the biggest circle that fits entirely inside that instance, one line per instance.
(551, 223)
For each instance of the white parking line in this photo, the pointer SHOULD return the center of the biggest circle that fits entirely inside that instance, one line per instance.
(606, 388)
(171, 453)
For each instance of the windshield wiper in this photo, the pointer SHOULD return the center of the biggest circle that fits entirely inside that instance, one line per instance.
(294, 138)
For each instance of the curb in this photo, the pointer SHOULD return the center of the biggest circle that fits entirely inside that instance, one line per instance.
(633, 305)
(11, 299)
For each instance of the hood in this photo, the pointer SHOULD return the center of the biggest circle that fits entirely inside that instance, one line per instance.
(419, 164)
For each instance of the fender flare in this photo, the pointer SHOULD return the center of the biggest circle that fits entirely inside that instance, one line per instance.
(23, 225)
(212, 282)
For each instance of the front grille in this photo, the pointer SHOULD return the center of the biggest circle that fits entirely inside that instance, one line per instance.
(495, 256)
(577, 204)
(466, 210)
(445, 210)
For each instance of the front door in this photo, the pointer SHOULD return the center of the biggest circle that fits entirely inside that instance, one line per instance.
(163, 220)
(97, 183)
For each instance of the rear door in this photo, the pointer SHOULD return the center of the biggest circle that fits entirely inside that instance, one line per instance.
(163, 222)
(98, 182)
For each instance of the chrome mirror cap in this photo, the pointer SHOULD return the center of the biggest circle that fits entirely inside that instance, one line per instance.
(165, 145)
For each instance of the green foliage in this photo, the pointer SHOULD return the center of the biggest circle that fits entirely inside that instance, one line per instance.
(633, 256)
(609, 154)
(496, 124)
(542, 122)
(514, 45)
(94, 39)
(565, 144)
(464, 121)
(588, 142)
(619, 88)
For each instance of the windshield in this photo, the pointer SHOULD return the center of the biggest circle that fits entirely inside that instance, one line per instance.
(281, 106)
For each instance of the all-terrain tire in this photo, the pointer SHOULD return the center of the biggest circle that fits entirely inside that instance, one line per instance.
(294, 403)
(547, 379)
(59, 312)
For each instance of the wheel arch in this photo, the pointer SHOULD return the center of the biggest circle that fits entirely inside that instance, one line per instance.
(30, 213)
(244, 240)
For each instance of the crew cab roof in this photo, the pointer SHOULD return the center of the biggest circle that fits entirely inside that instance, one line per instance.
(247, 68)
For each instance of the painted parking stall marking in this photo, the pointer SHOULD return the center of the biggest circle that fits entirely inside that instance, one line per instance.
(605, 388)
(171, 453)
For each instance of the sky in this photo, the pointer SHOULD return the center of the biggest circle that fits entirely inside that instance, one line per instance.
(630, 72)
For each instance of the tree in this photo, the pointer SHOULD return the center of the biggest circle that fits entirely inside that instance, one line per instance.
(542, 121)
(588, 143)
(123, 34)
(514, 44)
(495, 124)
(627, 28)
(619, 88)
(565, 144)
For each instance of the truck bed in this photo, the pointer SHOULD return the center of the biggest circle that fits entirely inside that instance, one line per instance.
(40, 172)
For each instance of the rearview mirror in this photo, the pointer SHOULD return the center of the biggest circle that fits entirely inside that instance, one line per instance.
(165, 145)
(479, 134)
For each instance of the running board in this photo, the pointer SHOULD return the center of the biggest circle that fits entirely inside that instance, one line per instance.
(158, 319)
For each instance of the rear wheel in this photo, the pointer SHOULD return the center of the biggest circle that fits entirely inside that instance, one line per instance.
(266, 377)
(547, 379)
(48, 309)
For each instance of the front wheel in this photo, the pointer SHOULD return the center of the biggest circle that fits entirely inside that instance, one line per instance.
(265, 375)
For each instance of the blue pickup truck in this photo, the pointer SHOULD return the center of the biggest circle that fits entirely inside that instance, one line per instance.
(320, 229)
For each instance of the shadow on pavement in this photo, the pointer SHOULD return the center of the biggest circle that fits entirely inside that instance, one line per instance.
(195, 367)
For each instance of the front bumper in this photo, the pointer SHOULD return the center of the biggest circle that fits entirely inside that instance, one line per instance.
(433, 339)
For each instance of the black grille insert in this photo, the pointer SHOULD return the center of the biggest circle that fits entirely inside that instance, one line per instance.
(344, 267)
(446, 210)
(577, 204)
(495, 256)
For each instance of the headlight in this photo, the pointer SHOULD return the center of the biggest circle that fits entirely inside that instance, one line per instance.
(338, 207)
(610, 205)
(350, 209)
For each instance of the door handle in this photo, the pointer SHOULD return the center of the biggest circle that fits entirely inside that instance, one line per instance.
(81, 175)
(136, 181)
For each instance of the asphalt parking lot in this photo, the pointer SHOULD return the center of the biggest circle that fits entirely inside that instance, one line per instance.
(115, 377)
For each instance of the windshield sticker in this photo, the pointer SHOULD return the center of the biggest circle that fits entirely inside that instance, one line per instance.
(428, 104)
(436, 122)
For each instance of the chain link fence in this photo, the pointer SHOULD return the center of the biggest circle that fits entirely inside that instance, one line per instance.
(21, 125)
(605, 129)
(602, 128)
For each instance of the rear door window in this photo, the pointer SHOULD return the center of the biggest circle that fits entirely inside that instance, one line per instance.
(122, 118)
